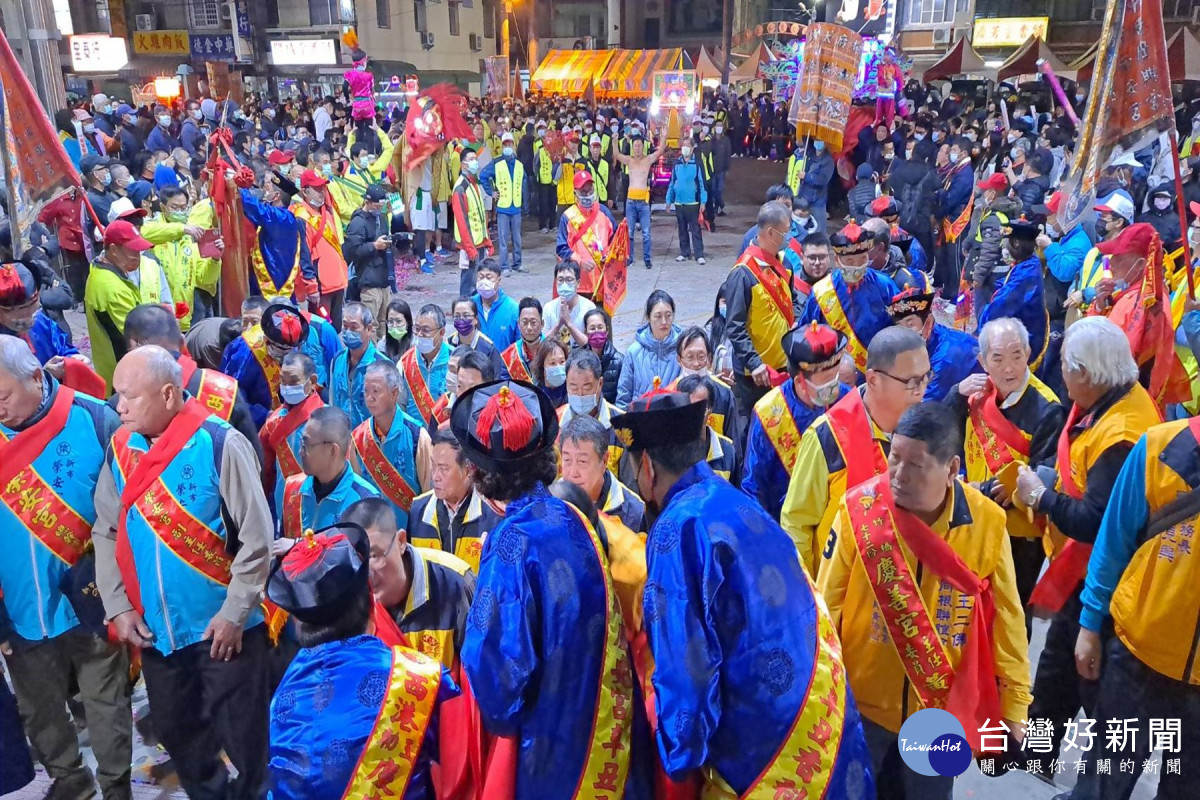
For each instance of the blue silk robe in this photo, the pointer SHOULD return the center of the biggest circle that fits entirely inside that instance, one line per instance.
(534, 648)
(1022, 295)
(952, 356)
(46, 338)
(764, 477)
(732, 624)
(865, 305)
(323, 713)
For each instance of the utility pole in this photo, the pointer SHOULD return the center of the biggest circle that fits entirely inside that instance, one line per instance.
(531, 43)
(726, 42)
(41, 46)
(505, 44)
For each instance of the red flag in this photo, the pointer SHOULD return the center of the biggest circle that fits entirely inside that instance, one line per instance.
(42, 167)
(615, 269)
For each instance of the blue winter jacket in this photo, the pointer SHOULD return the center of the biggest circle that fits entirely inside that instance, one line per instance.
(646, 359)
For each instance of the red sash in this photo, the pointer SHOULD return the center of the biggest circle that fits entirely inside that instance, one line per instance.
(216, 391)
(389, 480)
(852, 427)
(441, 411)
(55, 524)
(515, 361)
(186, 536)
(418, 387)
(293, 510)
(773, 280)
(82, 378)
(1070, 566)
(996, 433)
(968, 692)
(275, 432)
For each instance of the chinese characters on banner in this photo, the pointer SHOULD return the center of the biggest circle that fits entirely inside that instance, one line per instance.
(213, 46)
(826, 82)
(1009, 31)
(162, 43)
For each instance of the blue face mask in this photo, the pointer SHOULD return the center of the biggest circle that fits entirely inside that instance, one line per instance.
(292, 395)
(352, 339)
(508, 151)
(582, 404)
(556, 376)
(424, 345)
(818, 145)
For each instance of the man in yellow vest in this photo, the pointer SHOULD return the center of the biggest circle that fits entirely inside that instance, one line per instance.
(470, 223)
(599, 167)
(795, 170)
(504, 179)
(1142, 574)
(565, 169)
(544, 173)
(1110, 411)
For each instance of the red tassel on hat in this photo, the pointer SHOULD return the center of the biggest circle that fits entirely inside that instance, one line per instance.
(307, 552)
(515, 420)
(289, 329)
(12, 288)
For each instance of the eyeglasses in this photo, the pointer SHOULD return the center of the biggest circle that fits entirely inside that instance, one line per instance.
(423, 331)
(307, 445)
(377, 560)
(911, 384)
(467, 317)
(662, 316)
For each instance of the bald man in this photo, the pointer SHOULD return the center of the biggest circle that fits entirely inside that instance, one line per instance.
(182, 540)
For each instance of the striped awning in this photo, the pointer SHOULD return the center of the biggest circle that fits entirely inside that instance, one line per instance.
(569, 72)
(631, 72)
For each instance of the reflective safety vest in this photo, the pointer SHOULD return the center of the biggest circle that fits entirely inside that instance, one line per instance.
(150, 274)
(599, 172)
(543, 164)
(509, 185)
(795, 167)
(1000, 215)
(476, 216)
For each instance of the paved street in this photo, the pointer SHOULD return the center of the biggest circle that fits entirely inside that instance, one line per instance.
(694, 288)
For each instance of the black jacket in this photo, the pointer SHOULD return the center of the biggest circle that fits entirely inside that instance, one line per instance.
(374, 268)
(914, 184)
(1166, 223)
(1032, 192)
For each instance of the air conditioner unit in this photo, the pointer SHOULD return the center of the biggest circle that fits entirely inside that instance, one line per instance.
(226, 10)
(144, 22)
(941, 35)
(476, 42)
(426, 40)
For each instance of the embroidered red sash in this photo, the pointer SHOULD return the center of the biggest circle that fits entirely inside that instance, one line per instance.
(418, 386)
(969, 692)
(1070, 566)
(39, 508)
(82, 378)
(293, 508)
(515, 360)
(276, 430)
(773, 280)
(852, 428)
(144, 490)
(216, 391)
(386, 477)
(998, 437)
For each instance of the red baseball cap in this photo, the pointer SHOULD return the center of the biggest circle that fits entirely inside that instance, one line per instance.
(1135, 239)
(279, 157)
(582, 178)
(122, 232)
(311, 180)
(1054, 202)
(997, 182)
(1195, 208)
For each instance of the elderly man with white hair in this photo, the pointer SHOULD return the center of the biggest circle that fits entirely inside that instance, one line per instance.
(182, 539)
(51, 632)
(1110, 411)
(1010, 419)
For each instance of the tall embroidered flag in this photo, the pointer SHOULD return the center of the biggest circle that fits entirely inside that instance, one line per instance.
(616, 270)
(1130, 102)
(36, 166)
(825, 86)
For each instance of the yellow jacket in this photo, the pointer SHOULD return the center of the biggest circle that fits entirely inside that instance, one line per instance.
(974, 526)
(627, 565)
(816, 488)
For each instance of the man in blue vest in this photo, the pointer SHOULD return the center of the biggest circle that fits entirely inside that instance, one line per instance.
(182, 538)
(349, 369)
(504, 179)
(54, 451)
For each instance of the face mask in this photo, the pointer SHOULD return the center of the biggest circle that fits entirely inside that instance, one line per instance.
(292, 395)
(852, 275)
(364, 161)
(127, 119)
(597, 339)
(464, 326)
(472, 167)
(686, 152)
(566, 291)
(888, 156)
(954, 157)
(971, 136)
(352, 339)
(719, 129)
(106, 109)
(825, 394)
(556, 376)
(580, 404)
(164, 120)
(587, 200)
(196, 114)
(721, 310)
(486, 288)
(107, 178)
(687, 372)
(541, 133)
(1162, 203)
(451, 383)
(424, 345)
(819, 146)
(507, 151)
(291, 132)
(1013, 136)
(920, 137)
(177, 216)
(327, 170)
(89, 127)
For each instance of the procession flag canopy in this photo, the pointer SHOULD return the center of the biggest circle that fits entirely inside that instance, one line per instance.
(1025, 60)
(630, 73)
(1080, 70)
(1183, 55)
(748, 69)
(707, 67)
(961, 60)
(569, 71)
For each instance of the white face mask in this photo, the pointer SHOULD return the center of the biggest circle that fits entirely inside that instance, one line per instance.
(686, 152)
(824, 394)
(1162, 203)
(486, 288)
(853, 275)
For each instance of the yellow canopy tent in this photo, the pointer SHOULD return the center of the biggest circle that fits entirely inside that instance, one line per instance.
(630, 73)
(569, 72)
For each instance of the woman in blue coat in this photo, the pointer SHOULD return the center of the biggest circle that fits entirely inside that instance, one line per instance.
(652, 354)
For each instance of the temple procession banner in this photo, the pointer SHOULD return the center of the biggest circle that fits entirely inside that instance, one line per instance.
(826, 82)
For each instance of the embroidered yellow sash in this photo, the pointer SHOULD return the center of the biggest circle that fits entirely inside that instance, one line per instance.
(781, 430)
(831, 306)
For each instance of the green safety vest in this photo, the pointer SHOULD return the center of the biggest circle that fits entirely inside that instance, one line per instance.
(1000, 215)
(795, 165)
(599, 172)
(509, 186)
(545, 167)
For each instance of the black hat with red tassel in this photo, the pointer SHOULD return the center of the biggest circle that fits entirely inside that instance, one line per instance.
(504, 422)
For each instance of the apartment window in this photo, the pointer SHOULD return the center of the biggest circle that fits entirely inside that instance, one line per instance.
(453, 6)
(204, 13)
(1178, 9)
(934, 12)
(323, 12)
(489, 19)
(383, 13)
(272, 13)
(419, 20)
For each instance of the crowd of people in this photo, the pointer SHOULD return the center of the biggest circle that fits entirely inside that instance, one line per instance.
(343, 539)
